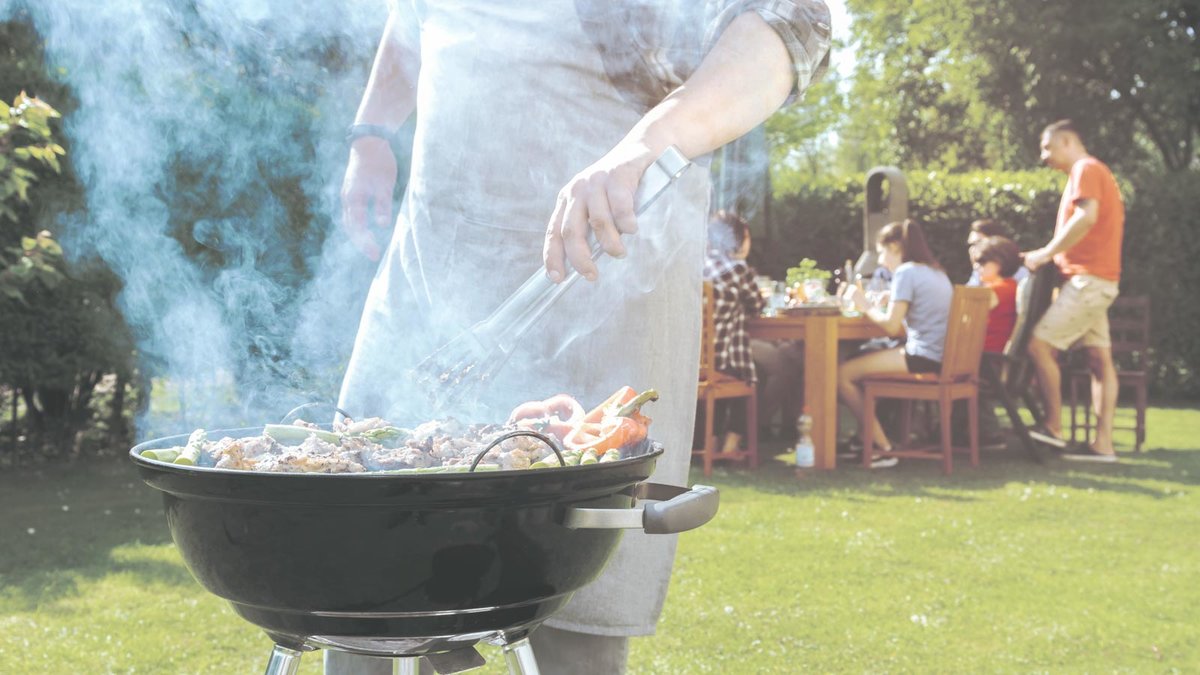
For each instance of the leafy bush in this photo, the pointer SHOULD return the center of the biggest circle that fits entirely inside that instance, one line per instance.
(62, 333)
(1161, 246)
(26, 143)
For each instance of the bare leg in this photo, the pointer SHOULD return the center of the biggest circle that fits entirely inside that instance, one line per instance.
(1104, 396)
(853, 371)
(1045, 361)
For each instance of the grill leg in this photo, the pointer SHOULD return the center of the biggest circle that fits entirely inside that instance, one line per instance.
(284, 661)
(520, 659)
(410, 665)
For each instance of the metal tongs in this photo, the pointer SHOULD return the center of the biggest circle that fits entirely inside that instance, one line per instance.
(474, 356)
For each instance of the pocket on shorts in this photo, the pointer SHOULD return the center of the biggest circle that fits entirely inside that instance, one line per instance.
(1094, 291)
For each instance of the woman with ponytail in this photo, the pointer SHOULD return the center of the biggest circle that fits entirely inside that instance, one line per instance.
(918, 306)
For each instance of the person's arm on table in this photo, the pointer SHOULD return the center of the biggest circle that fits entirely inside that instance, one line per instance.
(745, 77)
(389, 99)
(890, 320)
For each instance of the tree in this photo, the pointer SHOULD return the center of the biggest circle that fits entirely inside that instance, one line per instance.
(1127, 72)
(968, 84)
(915, 100)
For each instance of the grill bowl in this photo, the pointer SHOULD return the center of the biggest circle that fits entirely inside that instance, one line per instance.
(422, 560)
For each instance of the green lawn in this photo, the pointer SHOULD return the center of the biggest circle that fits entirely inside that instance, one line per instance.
(1012, 567)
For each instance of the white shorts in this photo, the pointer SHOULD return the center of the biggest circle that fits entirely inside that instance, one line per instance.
(1079, 313)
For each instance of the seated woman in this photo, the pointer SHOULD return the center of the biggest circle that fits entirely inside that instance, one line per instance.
(986, 228)
(919, 305)
(734, 296)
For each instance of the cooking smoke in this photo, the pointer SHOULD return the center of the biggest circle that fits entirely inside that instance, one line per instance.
(209, 136)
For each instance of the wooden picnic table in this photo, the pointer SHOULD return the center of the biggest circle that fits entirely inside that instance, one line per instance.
(820, 334)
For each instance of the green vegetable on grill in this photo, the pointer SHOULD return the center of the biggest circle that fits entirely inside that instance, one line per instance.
(290, 432)
(190, 454)
(611, 456)
(163, 454)
(386, 435)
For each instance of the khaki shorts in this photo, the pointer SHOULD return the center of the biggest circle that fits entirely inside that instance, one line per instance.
(1079, 313)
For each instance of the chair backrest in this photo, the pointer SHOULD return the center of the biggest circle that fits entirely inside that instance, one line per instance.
(1129, 324)
(708, 337)
(1034, 296)
(969, 308)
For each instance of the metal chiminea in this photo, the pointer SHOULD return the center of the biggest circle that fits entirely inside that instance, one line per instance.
(887, 202)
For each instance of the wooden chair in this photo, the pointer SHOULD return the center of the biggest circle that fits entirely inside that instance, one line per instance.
(1129, 328)
(716, 386)
(959, 379)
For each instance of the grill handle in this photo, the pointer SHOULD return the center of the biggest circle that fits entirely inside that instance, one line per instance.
(674, 509)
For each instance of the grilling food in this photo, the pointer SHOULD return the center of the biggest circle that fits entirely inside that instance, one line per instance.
(440, 446)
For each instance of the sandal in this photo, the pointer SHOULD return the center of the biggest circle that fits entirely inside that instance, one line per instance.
(1082, 452)
(1042, 435)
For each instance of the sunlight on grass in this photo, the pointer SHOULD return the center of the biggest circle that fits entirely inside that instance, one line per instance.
(1009, 567)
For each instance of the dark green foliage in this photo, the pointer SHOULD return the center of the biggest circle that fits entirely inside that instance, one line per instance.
(969, 84)
(1127, 72)
(1162, 260)
(57, 348)
(823, 222)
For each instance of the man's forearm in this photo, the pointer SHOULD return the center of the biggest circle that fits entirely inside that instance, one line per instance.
(1076, 228)
(744, 79)
(391, 92)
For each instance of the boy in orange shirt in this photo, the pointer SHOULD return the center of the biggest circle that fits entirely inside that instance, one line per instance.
(1087, 249)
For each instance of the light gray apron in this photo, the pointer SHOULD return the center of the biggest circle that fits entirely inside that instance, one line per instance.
(512, 102)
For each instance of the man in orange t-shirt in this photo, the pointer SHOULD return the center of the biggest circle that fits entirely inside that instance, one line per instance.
(1087, 249)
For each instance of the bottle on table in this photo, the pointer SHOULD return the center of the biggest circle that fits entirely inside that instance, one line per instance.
(804, 442)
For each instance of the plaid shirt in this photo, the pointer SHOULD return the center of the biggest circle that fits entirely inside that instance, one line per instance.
(734, 295)
(650, 49)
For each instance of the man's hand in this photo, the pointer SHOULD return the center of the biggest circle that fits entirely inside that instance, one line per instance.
(368, 186)
(746, 76)
(598, 199)
(1036, 258)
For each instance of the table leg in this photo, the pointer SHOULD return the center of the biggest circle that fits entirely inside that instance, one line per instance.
(820, 386)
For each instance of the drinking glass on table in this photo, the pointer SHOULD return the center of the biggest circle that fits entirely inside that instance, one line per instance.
(766, 287)
(776, 298)
(877, 291)
(814, 291)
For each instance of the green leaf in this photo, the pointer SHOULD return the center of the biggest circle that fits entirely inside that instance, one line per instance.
(28, 243)
(51, 247)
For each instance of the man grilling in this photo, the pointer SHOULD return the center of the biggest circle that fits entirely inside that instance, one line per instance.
(553, 110)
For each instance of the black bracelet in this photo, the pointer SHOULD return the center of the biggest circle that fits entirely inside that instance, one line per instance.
(357, 131)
